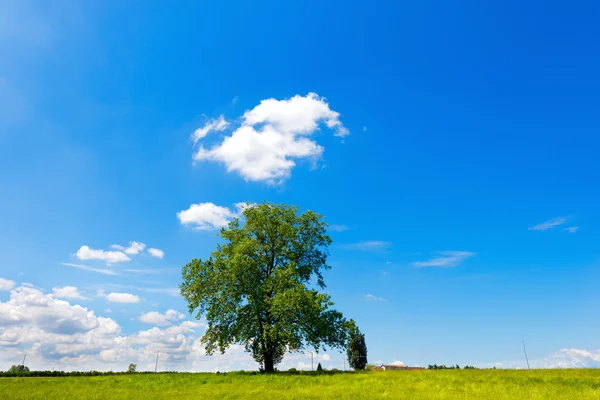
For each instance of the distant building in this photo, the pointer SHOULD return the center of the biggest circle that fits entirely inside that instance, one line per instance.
(393, 367)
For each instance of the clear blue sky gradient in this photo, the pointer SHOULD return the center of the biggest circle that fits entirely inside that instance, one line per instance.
(482, 120)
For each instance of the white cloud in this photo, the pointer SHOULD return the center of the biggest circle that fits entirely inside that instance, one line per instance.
(6, 284)
(552, 223)
(219, 124)
(121, 297)
(135, 248)
(338, 228)
(371, 297)
(572, 229)
(368, 245)
(398, 363)
(158, 253)
(162, 319)
(85, 253)
(68, 292)
(564, 358)
(207, 216)
(271, 136)
(91, 269)
(446, 259)
(572, 358)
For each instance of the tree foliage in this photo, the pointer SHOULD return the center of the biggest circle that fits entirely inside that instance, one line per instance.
(357, 349)
(18, 369)
(255, 289)
(132, 368)
(319, 368)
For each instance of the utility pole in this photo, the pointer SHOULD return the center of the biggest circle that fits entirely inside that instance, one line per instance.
(312, 367)
(525, 351)
(23, 363)
(344, 364)
(156, 365)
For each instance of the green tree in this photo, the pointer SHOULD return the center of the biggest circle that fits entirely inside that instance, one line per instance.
(357, 348)
(18, 369)
(319, 368)
(132, 368)
(254, 291)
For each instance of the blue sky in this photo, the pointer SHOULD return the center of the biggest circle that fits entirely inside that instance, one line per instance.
(454, 146)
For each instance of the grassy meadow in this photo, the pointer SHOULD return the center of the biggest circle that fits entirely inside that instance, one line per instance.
(446, 384)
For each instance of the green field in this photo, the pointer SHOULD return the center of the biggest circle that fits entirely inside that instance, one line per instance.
(449, 384)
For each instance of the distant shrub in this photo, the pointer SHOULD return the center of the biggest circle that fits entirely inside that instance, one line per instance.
(369, 367)
(292, 370)
(319, 368)
(132, 368)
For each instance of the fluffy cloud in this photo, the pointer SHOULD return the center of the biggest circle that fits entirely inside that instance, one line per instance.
(115, 297)
(6, 284)
(135, 248)
(158, 253)
(68, 292)
(85, 253)
(271, 136)
(156, 318)
(552, 223)
(217, 125)
(207, 216)
(446, 259)
(572, 229)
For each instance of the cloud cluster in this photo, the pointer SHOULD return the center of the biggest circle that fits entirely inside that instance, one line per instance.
(117, 255)
(270, 137)
(446, 259)
(573, 358)
(57, 334)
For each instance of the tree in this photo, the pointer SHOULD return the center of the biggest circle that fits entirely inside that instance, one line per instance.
(319, 368)
(357, 348)
(18, 369)
(132, 368)
(253, 290)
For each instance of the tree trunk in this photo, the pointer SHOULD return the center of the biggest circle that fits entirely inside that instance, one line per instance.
(269, 367)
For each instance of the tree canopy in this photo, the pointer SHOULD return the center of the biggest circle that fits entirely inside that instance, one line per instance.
(260, 287)
(357, 349)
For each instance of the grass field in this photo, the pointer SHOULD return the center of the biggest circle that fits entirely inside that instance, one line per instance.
(452, 384)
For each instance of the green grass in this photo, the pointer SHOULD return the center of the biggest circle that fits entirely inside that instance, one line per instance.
(414, 385)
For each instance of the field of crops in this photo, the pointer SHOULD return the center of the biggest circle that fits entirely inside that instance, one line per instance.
(415, 385)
